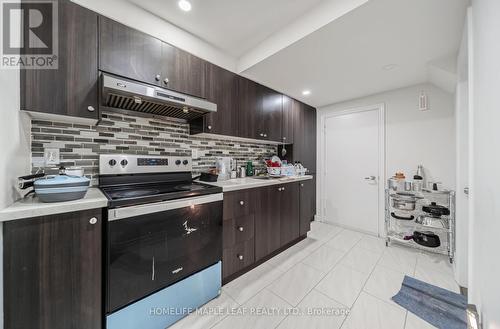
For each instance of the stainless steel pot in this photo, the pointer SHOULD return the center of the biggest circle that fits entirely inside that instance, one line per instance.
(401, 202)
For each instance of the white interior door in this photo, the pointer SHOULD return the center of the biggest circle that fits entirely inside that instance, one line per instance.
(352, 167)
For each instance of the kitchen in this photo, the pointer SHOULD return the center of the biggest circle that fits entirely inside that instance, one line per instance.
(150, 175)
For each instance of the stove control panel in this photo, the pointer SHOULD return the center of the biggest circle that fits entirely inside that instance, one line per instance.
(116, 164)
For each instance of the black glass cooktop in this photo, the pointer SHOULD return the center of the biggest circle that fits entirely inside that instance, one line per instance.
(147, 193)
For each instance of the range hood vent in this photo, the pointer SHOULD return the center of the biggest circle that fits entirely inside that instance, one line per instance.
(139, 97)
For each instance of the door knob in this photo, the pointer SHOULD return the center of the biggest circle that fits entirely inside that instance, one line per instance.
(240, 228)
(166, 81)
(242, 202)
(157, 77)
(90, 108)
(93, 221)
(370, 178)
(209, 127)
(240, 257)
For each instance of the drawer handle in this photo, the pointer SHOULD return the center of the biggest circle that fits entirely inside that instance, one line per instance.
(279, 189)
(242, 202)
(282, 188)
(93, 221)
(301, 185)
(240, 228)
(240, 257)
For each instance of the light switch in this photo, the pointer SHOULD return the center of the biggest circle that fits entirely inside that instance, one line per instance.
(51, 157)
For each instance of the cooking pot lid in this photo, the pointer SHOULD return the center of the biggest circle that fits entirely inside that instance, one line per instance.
(435, 209)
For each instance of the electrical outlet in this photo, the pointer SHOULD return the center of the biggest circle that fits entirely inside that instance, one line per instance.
(51, 157)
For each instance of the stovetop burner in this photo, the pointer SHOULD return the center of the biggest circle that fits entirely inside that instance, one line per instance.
(132, 194)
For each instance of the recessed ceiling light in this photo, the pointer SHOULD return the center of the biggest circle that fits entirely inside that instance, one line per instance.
(185, 5)
(390, 67)
(306, 92)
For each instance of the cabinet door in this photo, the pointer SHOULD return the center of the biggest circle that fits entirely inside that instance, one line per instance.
(272, 110)
(52, 271)
(304, 146)
(182, 71)
(72, 88)
(129, 53)
(288, 119)
(289, 214)
(250, 108)
(221, 87)
(267, 221)
(307, 204)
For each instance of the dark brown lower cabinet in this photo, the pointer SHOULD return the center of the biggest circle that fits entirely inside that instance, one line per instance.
(307, 204)
(267, 221)
(289, 213)
(52, 271)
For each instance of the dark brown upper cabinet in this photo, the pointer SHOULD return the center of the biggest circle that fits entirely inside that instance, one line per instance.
(182, 71)
(72, 88)
(132, 54)
(129, 53)
(271, 116)
(287, 119)
(221, 87)
(304, 146)
(52, 266)
(250, 108)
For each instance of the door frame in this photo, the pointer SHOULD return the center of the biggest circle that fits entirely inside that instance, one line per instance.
(380, 107)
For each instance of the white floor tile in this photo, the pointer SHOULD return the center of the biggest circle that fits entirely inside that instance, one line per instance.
(211, 313)
(414, 322)
(249, 284)
(309, 244)
(361, 259)
(323, 231)
(384, 283)
(295, 284)
(288, 258)
(434, 262)
(399, 259)
(372, 243)
(372, 313)
(316, 301)
(324, 259)
(440, 279)
(345, 240)
(264, 310)
(343, 284)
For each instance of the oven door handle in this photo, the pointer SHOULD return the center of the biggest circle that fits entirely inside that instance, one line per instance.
(126, 212)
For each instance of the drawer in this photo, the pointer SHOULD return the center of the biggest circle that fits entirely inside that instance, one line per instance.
(239, 203)
(237, 230)
(238, 257)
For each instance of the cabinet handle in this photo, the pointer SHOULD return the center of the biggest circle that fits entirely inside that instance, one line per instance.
(242, 202)
(93, 221)
(282, 188)
(153, 270)
(209, 127)
(90, 108)
(240, 228)
(240, 257)
(284, 138)
(265, 135)
(301, 185)
(157, 77)
(166, 81)
(261, 135)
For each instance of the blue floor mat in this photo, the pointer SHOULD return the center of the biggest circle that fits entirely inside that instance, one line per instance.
(440, 307)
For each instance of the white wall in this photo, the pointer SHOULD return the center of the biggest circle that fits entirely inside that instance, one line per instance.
(413, 137)
(15, 147)
(484, 269)
(131, 15)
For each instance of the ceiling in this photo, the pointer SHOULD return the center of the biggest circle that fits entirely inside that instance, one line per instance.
(345, 59)
(335, 48)
(234, 26)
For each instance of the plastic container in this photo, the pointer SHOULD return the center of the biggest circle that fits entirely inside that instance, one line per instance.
(61, 188)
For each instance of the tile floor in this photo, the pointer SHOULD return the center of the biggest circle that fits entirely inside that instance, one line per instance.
(349, 276)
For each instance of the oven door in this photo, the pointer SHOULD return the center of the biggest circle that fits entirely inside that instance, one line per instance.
(153, 246)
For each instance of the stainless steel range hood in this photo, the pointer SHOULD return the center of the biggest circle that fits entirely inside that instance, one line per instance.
(135, 96)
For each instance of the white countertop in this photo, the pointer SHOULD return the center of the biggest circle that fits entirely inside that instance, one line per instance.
(31, 206)
(249, 182)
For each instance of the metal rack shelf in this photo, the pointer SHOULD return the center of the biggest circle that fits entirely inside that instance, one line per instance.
(397, 229)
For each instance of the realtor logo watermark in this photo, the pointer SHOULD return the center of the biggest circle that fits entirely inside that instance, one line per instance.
(29, 34)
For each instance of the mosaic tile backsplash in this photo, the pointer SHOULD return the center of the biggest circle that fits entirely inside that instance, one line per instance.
(80, 145)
